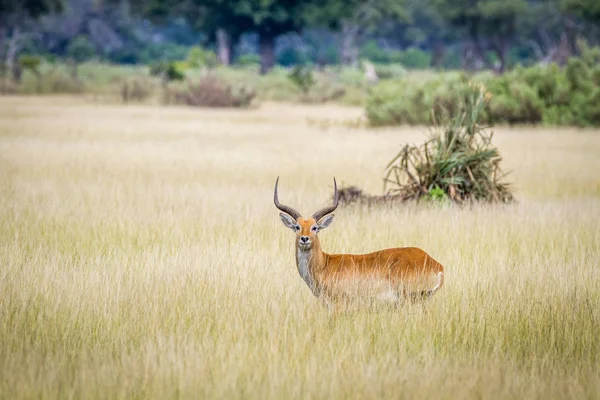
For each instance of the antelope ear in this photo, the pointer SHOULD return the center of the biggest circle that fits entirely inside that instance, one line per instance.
(288, 221)
(325, 221)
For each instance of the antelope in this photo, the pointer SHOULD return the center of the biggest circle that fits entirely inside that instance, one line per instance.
(389, 275)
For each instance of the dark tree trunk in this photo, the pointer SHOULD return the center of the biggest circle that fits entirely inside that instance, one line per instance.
(38, 77)
(267, 52)
(349, 50)
(12, 54)
(564, 50)
(478, 50)
(223, 47)
(73, 66)
(17, 72)
(439, 52)
(2, 46)
(501, 47)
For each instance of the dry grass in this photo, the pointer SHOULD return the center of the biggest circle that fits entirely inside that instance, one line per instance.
(141, 257)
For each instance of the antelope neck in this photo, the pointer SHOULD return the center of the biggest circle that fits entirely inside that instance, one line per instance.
(305, 261)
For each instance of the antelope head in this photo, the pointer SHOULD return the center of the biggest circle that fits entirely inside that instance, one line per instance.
(306, 229)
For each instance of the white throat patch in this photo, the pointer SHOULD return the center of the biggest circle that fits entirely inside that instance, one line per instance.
(303, 259)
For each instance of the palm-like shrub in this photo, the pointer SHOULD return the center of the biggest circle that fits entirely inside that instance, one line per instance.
(458, 160)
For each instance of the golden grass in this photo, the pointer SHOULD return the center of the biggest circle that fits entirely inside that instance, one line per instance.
(141, 257)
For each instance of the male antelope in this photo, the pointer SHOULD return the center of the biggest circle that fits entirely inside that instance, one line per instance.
(390, 275)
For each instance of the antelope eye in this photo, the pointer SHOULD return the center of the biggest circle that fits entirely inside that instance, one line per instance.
(314, 228)
(297, 227)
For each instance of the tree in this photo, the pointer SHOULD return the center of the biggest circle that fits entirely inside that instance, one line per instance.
(14, 18)
(364, 18)
(420, 26)
(588, 10)
(79, 50)
(227, 20)
(268, 18)
(542, 29)
(489, 25)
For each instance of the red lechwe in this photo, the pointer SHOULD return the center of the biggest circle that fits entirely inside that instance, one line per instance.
(388, 275)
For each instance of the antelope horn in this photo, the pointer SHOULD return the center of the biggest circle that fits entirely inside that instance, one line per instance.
(329, 209)
(286, 209)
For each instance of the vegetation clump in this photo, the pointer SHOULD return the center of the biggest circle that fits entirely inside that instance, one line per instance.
(540, 94)
(315, 90)
(458, 162)
(136, 89)
(211, 91)
(302, 77)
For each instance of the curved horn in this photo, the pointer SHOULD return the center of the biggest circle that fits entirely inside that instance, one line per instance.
(286, 209)
(329, 209)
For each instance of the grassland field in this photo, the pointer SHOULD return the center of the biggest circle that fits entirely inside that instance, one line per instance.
(141, 257)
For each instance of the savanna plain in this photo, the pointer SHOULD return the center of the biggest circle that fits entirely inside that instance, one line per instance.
(141, 256)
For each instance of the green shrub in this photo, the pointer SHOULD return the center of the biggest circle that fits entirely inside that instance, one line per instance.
(81, 49)
(415, 58)
(519, 105)
(589, 55)
(437, 194)
(396, 103)
(592, 109)
(410, 101)
(348, 76)
(29, 62)
(372, 52)
(579, 75)
(248, 59)
(302, 77)
(390, 71)
(539, 94)
(596, 75)
(198, 58)
(169, 71)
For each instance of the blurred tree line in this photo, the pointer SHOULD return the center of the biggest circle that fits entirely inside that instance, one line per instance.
(469, 34)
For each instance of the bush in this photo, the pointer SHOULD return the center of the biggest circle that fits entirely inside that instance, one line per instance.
(81, 49)
(537, 94)
(410, 102)
(415, 58)
(458, 162)
(386, 106)
(372, 52)
(198, 57)
(390, 71)
(137, 89)
(169, 71)
(303, 78)
(519, 105)
(210, 91)
(29, 62)
(248, 59)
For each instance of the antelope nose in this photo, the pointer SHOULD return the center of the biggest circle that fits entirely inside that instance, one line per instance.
(304, 239)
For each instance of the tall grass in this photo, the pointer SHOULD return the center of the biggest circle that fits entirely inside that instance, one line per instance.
(141, 257)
